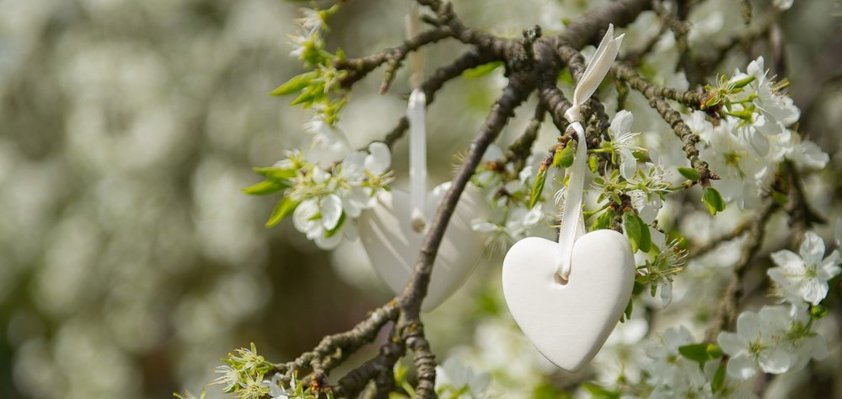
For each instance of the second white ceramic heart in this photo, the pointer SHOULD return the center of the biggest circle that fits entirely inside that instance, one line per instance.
(393, 245)
(568, 323)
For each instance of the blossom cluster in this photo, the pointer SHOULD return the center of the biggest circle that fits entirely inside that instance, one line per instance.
(508, 189)
(326, 186)
(775, 339)
(752, 134)
(244, 374)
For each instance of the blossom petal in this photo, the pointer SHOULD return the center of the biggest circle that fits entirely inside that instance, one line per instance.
(628, 163)
(353, 166)
(621, 123)
(775, 361)
(813, 291)
(741, 367)
(302, 217)
(731, 343)
(788, 260)
(379, 158)
(749, 325)
(812, 248)
(331, 211)
(829, 267)
(328, 243)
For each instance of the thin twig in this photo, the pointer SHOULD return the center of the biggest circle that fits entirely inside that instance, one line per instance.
(358, 68)
(655, 95)
(442, 75)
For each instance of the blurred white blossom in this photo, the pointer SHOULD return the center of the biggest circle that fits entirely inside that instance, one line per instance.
(804, 276)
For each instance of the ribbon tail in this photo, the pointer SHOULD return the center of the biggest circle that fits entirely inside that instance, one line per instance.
(417, 159)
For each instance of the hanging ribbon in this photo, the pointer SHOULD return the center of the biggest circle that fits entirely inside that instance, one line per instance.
(417, 159)
(573, 222)
(417, 130)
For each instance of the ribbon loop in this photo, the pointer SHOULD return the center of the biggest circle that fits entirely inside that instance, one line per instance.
(572, 221)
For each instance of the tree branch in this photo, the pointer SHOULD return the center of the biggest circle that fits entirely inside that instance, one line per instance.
(655, 95)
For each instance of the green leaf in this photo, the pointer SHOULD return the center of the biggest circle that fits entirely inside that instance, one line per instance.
(695, 352)
(563, 157)
(598, 392)
(603, 221)
(275, 173)
(593, 163)
(690, 173)
(308, 97)
(701, 352)
(714, 351)
(639, 236)
(537, 187)
(294, 84)
(481, 70)
(718, 381)
(282, 209)
(265, 187)
(628, 311)
(713, 201)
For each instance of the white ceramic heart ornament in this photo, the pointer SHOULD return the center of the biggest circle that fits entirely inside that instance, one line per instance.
(393, 245)
(568, 296)
(392, 231)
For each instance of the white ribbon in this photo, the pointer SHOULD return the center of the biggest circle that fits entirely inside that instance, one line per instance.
(415, 113)
(573, 222)
(417, 159)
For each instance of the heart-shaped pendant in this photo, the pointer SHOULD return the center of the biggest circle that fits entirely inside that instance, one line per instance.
(568, 296)
(569, 322)
(393, 244)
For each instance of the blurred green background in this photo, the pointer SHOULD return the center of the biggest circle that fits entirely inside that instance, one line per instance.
(130, 262)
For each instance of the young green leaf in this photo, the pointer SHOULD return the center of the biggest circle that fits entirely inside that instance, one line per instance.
(563, 156)
(282, 209)
(628, 311)
(603, 221)
(275, 173)
(537, 187)
(265, 187)
(593, 163)
(718, 381)
(695, 352)
(481, 70)
(294, 84)
(690, 173)
(714, 351)
(639, 236)
(713, 201)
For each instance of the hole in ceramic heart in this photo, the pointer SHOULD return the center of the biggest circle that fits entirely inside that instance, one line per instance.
(560, 280)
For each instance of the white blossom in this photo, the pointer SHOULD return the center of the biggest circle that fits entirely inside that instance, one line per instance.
(803, 343)
(329, 144)
(456, 376)
(228, 377)
(664, 355)
(805, 277)
(317, 217)
(755, 344)
(276, 391)
(742, 172)
(623, 141)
